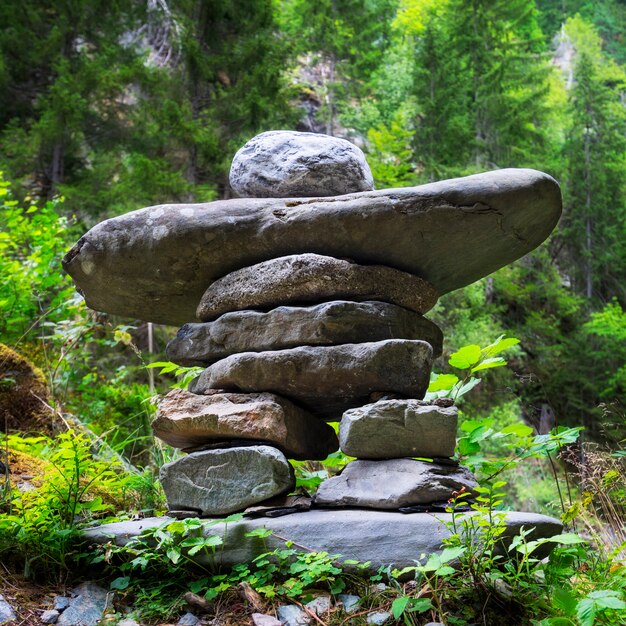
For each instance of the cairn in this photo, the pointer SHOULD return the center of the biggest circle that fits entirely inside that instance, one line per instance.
(310, 291)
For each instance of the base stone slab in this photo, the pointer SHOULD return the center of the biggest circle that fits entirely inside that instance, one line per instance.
(381, 537)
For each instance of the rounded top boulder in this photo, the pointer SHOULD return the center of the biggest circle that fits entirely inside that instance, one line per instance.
(289, 164)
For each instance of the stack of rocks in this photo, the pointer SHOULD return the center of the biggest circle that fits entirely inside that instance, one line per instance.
(311, 290)
(277, 368)
(386, 436)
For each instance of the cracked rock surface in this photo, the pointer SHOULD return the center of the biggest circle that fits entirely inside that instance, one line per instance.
(219, 482)
(398, 428)
(186, 420)
(393, 483)
(326, 324)
(303, 278)
(326, 380)
(155, 263)
(287, 164)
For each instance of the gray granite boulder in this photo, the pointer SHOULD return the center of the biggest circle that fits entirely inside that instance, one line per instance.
(219, 482)
(188, 420)
(398, 428)
(393, 483)
(326, 380)
(155, 263)
(288, 164)
(326, 324)
(381, 537)
(302, 278)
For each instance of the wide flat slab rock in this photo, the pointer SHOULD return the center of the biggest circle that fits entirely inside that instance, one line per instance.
(398, 428)
(326, 324)
(284, 164)
(155, 263)
(219, 482)
(394, 483)
(382, 537)
(189, 420)
(303, 278)
(326, 380)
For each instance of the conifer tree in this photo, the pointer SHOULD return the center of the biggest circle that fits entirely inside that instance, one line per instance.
(596, 161)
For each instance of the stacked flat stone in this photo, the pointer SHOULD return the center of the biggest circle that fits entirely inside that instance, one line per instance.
(310, 290)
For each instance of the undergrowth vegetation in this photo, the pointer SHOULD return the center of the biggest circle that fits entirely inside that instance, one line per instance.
(483, 575)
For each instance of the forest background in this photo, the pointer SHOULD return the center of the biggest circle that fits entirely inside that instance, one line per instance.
(107, 107)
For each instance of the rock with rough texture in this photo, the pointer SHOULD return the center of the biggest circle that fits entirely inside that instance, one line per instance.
(326, 324)
(398, 428)
(289, 164)
(7, 614)
(301, 278)
(320, 605)
(49, 617)
(350, 602)
(188, 420)
(292, 615)
(155, 263)
(378, 618)
(382, 537)
(326, 380)
(61, 603)
(219, 482)
(260, 619)
(188, 619)
(393, 483)
(87, 606)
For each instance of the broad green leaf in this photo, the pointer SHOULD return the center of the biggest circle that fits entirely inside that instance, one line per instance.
(443, 382)
(489, 364)
(567, 539)
(467, 447)
(521, 430)
(466, 357)
(421, 605)
(120, 583)
(399, 605)
(499, 345)
(453, 553)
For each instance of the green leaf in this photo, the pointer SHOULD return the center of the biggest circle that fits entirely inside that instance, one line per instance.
(488, 364)
(500, 345)
(468, 386)
(521, 430)
(421, 605)
(566, 539)
(608, 599)
(120, 583)
(399, 606)
(443, 382)
(259, 532)
(467, 447)
(466, 357)
(452, 553)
